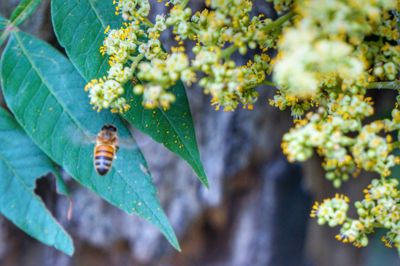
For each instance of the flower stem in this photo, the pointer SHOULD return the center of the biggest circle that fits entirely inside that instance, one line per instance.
(147, 22)
(385, 85)
(136, 59)
(184, 3)
(228, 51)
(396, 144)
(195, 28)
(278, 22)
(269, 83)
(274, 24)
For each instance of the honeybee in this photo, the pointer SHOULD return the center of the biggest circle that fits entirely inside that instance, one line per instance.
(105, 149)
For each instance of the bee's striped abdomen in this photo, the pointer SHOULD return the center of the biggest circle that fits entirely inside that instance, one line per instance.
(103, 158)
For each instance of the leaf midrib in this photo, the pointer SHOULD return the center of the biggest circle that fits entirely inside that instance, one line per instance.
(20, 180)
(44, 81)
(22, 12)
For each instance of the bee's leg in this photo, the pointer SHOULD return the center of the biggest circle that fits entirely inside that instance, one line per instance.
(116, 150)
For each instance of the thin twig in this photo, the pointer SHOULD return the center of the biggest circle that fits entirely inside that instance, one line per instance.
(385, 85)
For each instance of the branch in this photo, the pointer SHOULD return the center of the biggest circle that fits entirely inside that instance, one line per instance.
(227, 52)
(278, 22)
(269, 83)
(270, 26)
(385, 85)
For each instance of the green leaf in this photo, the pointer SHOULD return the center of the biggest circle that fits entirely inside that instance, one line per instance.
(79, 26)
(3, 22)
(21, 163)
(61, 187)
(173, 128)
(46, 95)
(24, 9)
(4, 29)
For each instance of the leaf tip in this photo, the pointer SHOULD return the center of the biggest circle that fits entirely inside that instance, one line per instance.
(71, 250)
(205, 182)
(175, 244)
(65, 244)
(203, 177)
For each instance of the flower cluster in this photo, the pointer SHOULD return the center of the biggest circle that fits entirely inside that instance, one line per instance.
(336, 45)
(132, 9)
(105, 94)
(108, 91)
(380, 208)
(281, 5)
(372, 152)
(327, 131)
(221, 29)
(326, 63)
(332, 211)
(328, 59)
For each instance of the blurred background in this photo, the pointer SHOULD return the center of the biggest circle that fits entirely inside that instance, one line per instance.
(256, 211)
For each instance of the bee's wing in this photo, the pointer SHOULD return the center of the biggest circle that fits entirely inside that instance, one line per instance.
(86, 138)
(127, 143)
(80, 137)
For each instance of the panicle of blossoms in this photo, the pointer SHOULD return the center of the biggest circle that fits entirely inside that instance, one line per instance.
(229, 84)
(353, 231)
(383, 59)
(326, 131)
(326, 60)
(336, 55)
(382, 55)
(372, 152)
(380, 208)
(281, 5)
(327, 137)
(219, 30)
(332, 211)
(132, 9)
(155, 31)
(382, 200)
(392, 237)
(319, 63)
(330, 47)
(106, 93)
(383, 197)
(160, 75)
(179, 18)
(151, 49)
(120, 45)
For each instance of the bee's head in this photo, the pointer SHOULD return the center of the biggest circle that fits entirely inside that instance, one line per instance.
(109, 127)
(108, 132)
